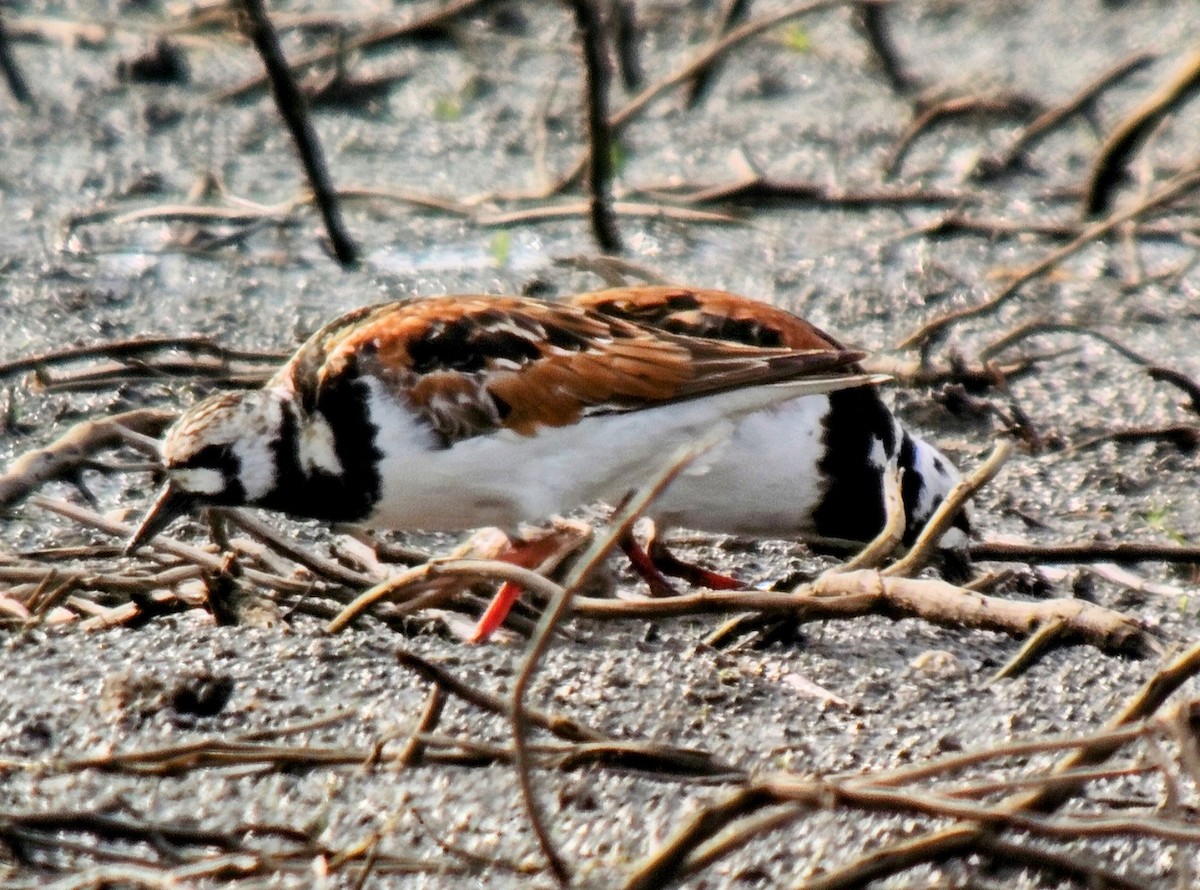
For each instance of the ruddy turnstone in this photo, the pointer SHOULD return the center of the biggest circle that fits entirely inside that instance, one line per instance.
(812, 467)
(451, 413)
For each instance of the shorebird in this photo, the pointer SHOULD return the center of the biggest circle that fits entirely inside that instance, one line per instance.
(450, 413)
(812, 468)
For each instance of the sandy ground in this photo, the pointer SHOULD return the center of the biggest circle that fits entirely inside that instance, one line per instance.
(495, 110)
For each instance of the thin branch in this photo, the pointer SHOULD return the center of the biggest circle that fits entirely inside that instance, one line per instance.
(1123, 552)
(600, 150)
(1001, 105)
(557, 609)
(948, 511)
(698, 86)
(12, 71)
(1170, 191)
(1047, 123)
(67, 455)
(136, 348)
(293, 108)
(849, 595)
(870, 17)
(376, 39)
(1109, 168)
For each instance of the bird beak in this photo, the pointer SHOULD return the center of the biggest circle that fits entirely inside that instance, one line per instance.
(171, 503)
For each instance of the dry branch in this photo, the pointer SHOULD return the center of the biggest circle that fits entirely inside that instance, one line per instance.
(1086, 552)
(870, 17)
(67, 456)
(1001, 106)
(961, 838)
(702, 60)
(421, 26)
(293, 108)
(209, 562)
(948, 511)
(1047, 123)
(560, 604)
(698, 86)
(135, 350)
(12, 71)
(842, 596)
(1156, 371)
(600, 157)
(1109, 168)
(1169, 192)
(756, 189)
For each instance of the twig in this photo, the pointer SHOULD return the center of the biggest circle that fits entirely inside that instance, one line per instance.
(756, 188)
(562, 727)
(870, 18)
(948, 511)
(1108, 170)
(1002, 106)
(293, 107)
(12, 71)
(1174, 188)
(1184, 437)
(625, 34)
(699, 62)
(207, 561)
(848, 595)
(1047, 123)
(948, 842)
(324, 568)
(892, 533)
(135, 348)
(430, 715)
(1038, 641)
(704, 855)
(476, 569)
(698, 86)
(656, 870)
(1087, 873)
(1156, 371)
(67, 455)
(576, 209)
(419, 27)
(558, 607)
(600, 157)
(1122, 552)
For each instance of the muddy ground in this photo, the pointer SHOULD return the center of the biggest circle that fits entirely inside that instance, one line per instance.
(493, 107)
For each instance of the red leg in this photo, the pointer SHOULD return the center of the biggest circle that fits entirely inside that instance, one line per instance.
(530, 555)
(643, 564)
(657, 562)
(495, 613)
(668, 563)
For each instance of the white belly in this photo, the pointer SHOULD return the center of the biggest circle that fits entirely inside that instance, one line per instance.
(763, 481)
(504, 479)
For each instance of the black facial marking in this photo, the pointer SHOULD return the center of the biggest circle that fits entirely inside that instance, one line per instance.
(222, 459)
(853, 507)
(463, 345)
(345, 498)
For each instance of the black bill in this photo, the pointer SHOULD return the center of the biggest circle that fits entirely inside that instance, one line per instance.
(171, 503)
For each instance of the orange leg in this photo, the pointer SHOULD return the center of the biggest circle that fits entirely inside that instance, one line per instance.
(646, 568)
(657, 562)
(528, 554)
(669, 564)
